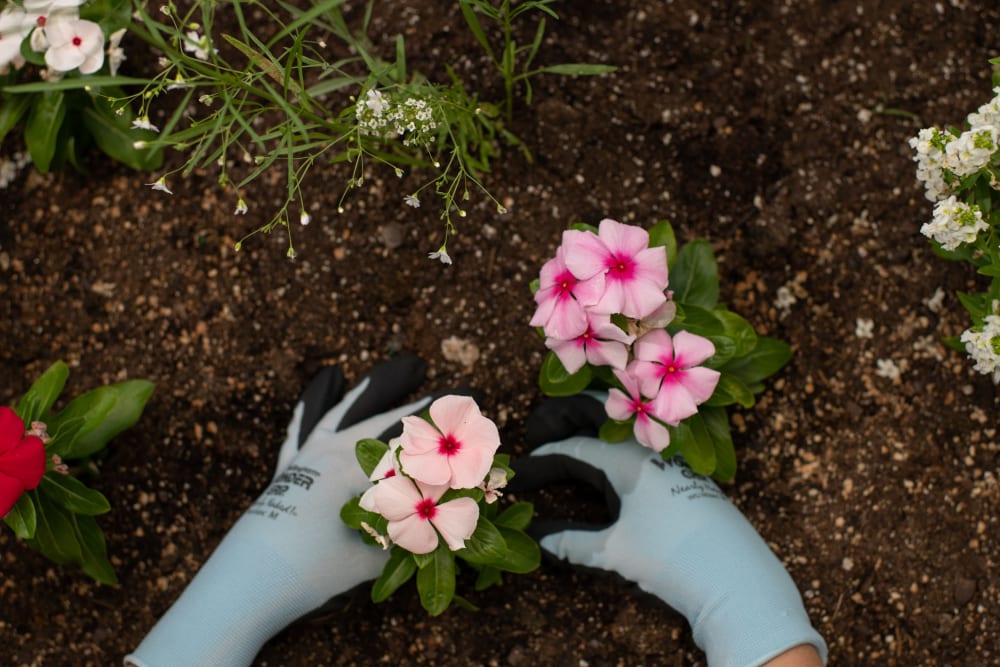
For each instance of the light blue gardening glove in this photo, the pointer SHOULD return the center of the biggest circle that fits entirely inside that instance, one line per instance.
(289, 554)
(673, 533)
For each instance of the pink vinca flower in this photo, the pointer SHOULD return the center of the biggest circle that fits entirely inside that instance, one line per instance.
(635, 275)
(601, 344)
(622, 406)
(22, 460)
(562, 298)
(384, 469)
(74, 43)
(668, 370)
(456, 450)
(415, 517)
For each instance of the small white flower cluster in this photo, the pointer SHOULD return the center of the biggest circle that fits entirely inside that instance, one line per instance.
(984, 346)
(388, 115)
(954, 223)
(55, 28)
(940, 154)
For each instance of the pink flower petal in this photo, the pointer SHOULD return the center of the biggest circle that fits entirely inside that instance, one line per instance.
(419, 436)
(655, 345)
(607, 353)
(396, 497)
(413, 533)
(691, 349)
(622, 238)
(570, 353)
(651, 434)
(450, 412)
(700, 382)
(673, 404)
(618, 405)
(456, 521)
(429, 468)
(26, 462)
(649, 375)
(586, 254)
(10, 490)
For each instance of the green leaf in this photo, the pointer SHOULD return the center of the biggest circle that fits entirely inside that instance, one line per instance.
(12, 109)
(615, 431)
(41, 133)
(555, 380)
(55, 535)
(423, 560)
(523, 553)
(579, 69)
(111, 15)
(130, 400)
(37, 401)
(717, 422)
(695, 444)
(729, 390)
(352, 514)
(21, 517)
(93, 551)
(397, 571)
(83, 414)
(662, 234)
(436, 581)
(74, 83)
(488, 576)
(476, 27)
(955, 343)
(369, 452)
(694, 277)
(517, 516)
(486, 545)
(738, 330)
(989, 270)
(767, 358)
(118, 141)
(73, 495)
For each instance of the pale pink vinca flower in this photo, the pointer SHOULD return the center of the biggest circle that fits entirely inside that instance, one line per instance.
(635, 275)
(622, 406)
(75, 43)
(456, 450)
(562, 298)
(13, 28)
(668, 369)
(415, 517)
(384, 469)
(602, 343)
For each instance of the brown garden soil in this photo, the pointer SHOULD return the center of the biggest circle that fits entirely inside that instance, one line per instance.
(767, 128)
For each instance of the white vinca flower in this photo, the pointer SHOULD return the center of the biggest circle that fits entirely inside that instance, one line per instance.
(74, 43)
(984, 346)
(13, 28)
(954, 223)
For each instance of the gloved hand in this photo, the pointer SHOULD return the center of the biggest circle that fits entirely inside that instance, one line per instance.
(673, 533)
(290, 553)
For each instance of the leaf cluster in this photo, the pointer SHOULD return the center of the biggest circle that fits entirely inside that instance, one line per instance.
(57, 518)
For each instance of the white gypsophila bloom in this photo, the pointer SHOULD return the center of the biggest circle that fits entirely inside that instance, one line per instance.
(74, 43)
(971, 151)
(984, 346)
(388, 115)
(198, 45)
(142, 123)
(988, 114)
(929, 145)
(412, 201)
(954, 223)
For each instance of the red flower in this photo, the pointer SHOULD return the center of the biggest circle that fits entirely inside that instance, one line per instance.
(22, 460)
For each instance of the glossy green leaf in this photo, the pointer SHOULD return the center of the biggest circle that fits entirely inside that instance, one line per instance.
(36, 403)
(83, 414)
(486, 545)
(21, 517)
(615, 431)
(523, 553)
(73, 495)
(369, 453)
(352, 514)
(436, 581)
(738, 330)
(768, 357)
(118, 141)
(554, 379)
(93, 551)
(111, 15)
(518, 516)
(397, 571)
(662, 234)
(694, 277)
(717, 423)
(55, 535)
(729, 390)
(41, 132)
(12, 110)
(695, 444)
(488, 576)
(131, 398)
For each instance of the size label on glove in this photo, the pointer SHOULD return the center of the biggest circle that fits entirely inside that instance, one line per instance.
(696, 486)
(276, 499)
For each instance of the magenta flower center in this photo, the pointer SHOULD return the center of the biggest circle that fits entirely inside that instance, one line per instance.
(389, 473)
(77, 41)
(426, 509)
(40, 21)
(564, 284)
(621, 267)
(448, 445)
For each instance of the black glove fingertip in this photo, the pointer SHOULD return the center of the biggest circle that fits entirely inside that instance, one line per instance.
(323, 392)
(388, 384)
(564, 417)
